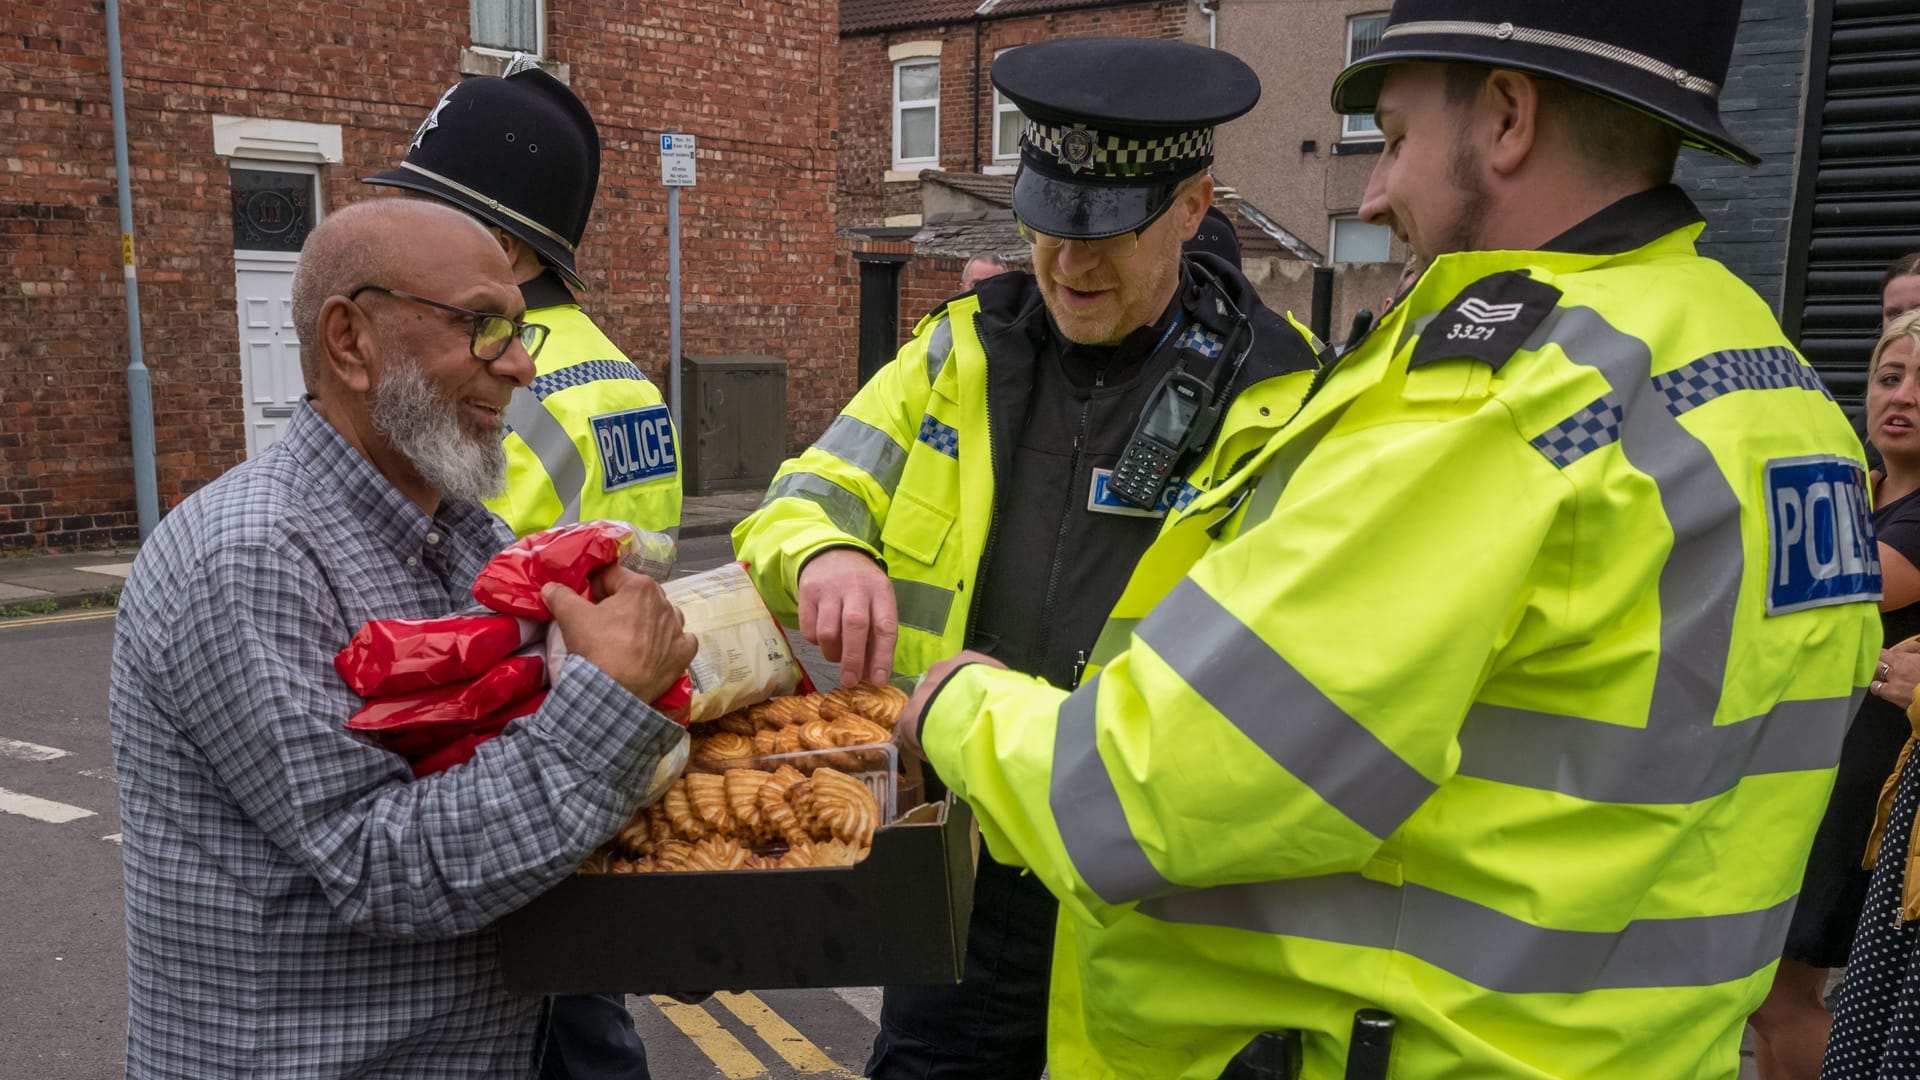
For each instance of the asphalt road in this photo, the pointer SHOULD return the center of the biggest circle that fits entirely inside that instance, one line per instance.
(63, 998)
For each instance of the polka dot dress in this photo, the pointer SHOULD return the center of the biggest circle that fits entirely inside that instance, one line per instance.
(1876, 1010)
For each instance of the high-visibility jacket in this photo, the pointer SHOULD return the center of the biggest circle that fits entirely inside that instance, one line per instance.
(905, 473)
(1505, 699)
(590, 438)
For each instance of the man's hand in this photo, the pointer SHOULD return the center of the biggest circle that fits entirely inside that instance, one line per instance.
(846, 608)
(906, 730)
(635, 634)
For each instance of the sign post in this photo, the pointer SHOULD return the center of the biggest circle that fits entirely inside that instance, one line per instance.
(677, 170)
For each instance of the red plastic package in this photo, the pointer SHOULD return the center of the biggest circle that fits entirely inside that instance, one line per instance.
(400, 656)
(568, 555)
(415, 724)
(465, 744)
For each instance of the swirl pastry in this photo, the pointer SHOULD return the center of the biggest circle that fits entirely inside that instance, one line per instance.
(637, 836)
(844, 806)
(738, 722)
(775, 808)
(722, 746)
(687, 824)
(786, 712)
(772, 741)
(743, 798)
(717, 853)
(673, 855)
(836, 853)
(707, 792)
(879, 704)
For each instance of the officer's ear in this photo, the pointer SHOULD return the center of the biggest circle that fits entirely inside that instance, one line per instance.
(346, 344)
(1192, 205)
(1509, 107)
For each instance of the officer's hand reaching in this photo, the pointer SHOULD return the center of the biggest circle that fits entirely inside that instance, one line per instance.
(906, 730)
(847, 608)
(635, 634)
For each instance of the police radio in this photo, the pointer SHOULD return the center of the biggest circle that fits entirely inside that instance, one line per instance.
(1183, 410)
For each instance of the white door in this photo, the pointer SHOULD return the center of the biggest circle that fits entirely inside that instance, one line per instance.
(269, 349)
(274, 207)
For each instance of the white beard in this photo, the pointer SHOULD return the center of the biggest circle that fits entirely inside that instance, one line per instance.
(425, 428)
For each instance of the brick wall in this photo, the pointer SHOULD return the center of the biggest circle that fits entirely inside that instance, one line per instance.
(866, 94)
(925, 283)
(763, 270)
(1748, 210)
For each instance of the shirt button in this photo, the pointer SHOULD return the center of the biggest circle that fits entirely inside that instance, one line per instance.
(433, 538)
(411, 561)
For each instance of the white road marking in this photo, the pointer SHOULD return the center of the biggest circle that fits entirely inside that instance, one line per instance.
(119, 569)
(101, 774)
(864, 999)
(26, 751)
(113, 836)
(53, 813)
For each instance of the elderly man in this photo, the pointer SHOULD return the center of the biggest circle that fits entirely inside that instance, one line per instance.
(1501, 691)
(980, 267)
(297, 904)
(993, 486)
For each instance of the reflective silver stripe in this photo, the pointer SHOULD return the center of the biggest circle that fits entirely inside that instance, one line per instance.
(491, 203)
(1087, 811)
(939, 347)
(866, 448)
(1700, 580)
(1263, 695)
(1114, 639)
(548, 439)
(1489, 948)
(922, 606)
(1554, 40)
(1619, 764)
(845, 509)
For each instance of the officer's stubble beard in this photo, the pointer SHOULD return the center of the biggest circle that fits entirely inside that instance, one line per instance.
(1463, 172)
(1144, 283)
(425, 428)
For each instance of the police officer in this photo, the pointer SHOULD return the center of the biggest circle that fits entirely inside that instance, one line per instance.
(993, 486)
(590, 438)
(1501, 690)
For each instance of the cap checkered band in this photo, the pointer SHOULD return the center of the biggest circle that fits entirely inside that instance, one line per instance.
(1773, 368)
(1078, 149)
(1581, 434)
(581, 374)
(1203, 341)
(940, 436)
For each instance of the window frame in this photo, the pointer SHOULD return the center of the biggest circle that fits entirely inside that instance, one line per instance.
(1333, 239)
(1348, 127)
(539, 52)
(1003, 104)
(903, 163)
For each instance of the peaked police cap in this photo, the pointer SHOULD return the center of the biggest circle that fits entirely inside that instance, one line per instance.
(1665, 58)
(1112, 125)
(519, 152)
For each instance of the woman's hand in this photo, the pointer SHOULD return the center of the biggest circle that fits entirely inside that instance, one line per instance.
(1898, 673)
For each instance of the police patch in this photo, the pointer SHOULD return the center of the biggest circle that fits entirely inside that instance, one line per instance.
(1822, 550)
(1100, 500)
(635, 446)
(1488, 321)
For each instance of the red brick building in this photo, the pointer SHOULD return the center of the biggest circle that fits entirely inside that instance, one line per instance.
(245, 121)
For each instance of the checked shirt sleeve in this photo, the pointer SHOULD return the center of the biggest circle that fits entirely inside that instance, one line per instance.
(443, 856)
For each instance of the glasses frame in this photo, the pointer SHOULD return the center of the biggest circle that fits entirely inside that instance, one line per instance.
(520, 328)
(1105, 246)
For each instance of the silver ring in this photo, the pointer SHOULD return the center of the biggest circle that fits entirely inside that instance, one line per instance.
(1874, 687)
(1885, 671)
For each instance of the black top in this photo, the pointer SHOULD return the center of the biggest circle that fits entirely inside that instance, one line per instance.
(1054, 568)
(1897, 525)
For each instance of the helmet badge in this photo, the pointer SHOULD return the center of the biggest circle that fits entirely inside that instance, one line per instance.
(433, 118)
(1076, 148)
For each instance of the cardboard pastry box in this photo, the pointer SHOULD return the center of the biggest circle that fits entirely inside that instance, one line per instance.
(897, 917)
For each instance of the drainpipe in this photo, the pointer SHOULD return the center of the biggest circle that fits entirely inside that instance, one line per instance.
(1211, 9)
(146, 486)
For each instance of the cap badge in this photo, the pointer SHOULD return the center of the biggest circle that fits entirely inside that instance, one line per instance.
(433, 118)
(1076, 149)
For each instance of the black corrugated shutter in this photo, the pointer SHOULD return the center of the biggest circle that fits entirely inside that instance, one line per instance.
(1857, 202)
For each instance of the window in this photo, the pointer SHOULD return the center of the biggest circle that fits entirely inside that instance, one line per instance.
(1355, 241)
(916, 114)
(1363, 37)
(1006, 125)
(509, 25)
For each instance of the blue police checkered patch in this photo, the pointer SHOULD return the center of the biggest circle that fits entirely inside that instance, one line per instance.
(1822, 548)
(940, 436)
(635, 446)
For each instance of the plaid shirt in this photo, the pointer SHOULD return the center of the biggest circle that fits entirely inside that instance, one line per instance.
(297, 904)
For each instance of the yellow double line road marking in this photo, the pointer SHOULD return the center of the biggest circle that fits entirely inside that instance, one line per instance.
(78, 616)
(732, 1056)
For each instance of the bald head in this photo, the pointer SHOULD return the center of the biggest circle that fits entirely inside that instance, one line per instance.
(388, 241)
